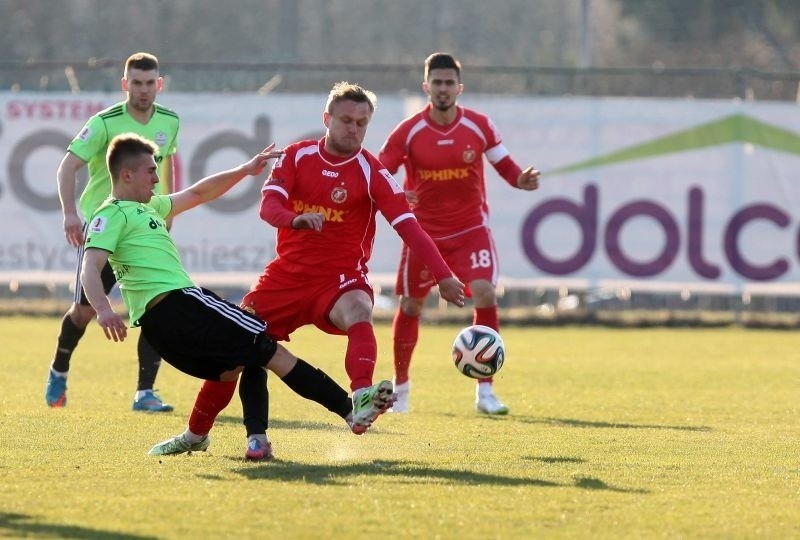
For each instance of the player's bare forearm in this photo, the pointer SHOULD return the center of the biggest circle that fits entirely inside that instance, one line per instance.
(215, 185)
(113, 325)
(67, 179)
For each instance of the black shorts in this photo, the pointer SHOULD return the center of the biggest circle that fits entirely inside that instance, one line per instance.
(203, 335)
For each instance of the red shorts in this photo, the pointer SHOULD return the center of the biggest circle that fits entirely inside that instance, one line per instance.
(471, 255)
(286, 301)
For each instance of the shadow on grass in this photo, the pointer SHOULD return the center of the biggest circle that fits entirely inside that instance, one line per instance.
(557, 459)
(336, 423)
(587, 482)
(340, 474)
(21, 525)
(572, 422)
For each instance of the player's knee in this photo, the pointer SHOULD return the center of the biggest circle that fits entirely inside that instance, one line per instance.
(352, 308)
(483, 293)
(281, 361)
(412, 306)
(81, 315)
(362, 312)
(231, 374)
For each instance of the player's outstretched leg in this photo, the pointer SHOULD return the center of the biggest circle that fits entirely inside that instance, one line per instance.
(369, 403)
(185, 442)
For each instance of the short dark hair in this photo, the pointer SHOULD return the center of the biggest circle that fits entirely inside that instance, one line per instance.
(346, 91)
(441, 60)
(141, 60)
(123, 149)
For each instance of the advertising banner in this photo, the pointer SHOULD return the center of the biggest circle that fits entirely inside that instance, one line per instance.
(643, 193)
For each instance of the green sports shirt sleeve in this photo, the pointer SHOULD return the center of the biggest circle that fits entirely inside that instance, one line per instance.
(145, 260)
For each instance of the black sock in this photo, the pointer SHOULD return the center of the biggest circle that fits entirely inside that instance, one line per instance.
(254, 394)
(67, 341)
(314, 384)
(149, 362)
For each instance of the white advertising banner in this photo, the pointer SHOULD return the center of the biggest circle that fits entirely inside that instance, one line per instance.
(642, 192)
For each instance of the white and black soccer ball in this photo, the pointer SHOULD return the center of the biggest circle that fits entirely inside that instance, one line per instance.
(478, 351)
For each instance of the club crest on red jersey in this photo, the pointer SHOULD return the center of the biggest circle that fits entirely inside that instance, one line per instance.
(338, 194)
(468, 155)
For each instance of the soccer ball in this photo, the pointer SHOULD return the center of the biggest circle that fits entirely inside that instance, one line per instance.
(478, 351)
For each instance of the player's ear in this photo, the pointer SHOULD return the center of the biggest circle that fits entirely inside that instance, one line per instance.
(460, 88)
(159, 84)
(326, 118)
(425, 86)
(124, 84)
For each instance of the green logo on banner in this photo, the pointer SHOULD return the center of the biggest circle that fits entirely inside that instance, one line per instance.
(734, 128)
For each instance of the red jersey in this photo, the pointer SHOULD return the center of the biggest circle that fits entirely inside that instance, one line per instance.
(348, 191)
(444, 166)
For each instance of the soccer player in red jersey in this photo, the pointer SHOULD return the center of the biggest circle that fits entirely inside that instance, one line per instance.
(323, 196)
(442, 149)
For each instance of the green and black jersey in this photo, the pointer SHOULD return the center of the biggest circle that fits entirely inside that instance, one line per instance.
(145, 260)
(91, 144)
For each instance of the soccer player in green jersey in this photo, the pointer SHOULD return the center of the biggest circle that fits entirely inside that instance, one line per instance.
(191, 327)
(139, 114)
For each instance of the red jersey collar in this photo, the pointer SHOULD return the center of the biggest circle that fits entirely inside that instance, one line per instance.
(335, 160)
(426, 113)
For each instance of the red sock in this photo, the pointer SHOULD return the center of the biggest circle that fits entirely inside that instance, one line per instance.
(487, 316)
(405, 330)
(362, 352)
(212, 398)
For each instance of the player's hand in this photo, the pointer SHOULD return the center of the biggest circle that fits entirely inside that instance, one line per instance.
(452, 290)
(311, 220)
(411, 197)
(528, 179)
(112, 324)
(73, 230)
(258, 163)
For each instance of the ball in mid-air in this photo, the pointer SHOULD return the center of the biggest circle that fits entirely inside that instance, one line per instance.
(478, 351)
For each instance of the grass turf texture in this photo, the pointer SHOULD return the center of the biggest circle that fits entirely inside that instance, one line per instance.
(612, 433)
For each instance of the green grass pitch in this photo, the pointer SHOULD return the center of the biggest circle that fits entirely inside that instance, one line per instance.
(613, 433)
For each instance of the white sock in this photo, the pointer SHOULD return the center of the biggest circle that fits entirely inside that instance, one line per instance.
(259, 437)
(484, 389)
(403, 387)
(193, 437)
(140, 393)
(62, 374)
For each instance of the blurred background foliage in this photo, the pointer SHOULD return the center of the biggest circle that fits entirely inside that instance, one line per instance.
(704, 48)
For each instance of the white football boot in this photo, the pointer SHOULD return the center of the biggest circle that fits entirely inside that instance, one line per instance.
(486, 402)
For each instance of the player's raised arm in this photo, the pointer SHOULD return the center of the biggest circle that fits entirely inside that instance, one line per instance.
(214, 186)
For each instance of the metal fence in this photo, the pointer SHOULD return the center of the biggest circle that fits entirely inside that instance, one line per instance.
(721, 83)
